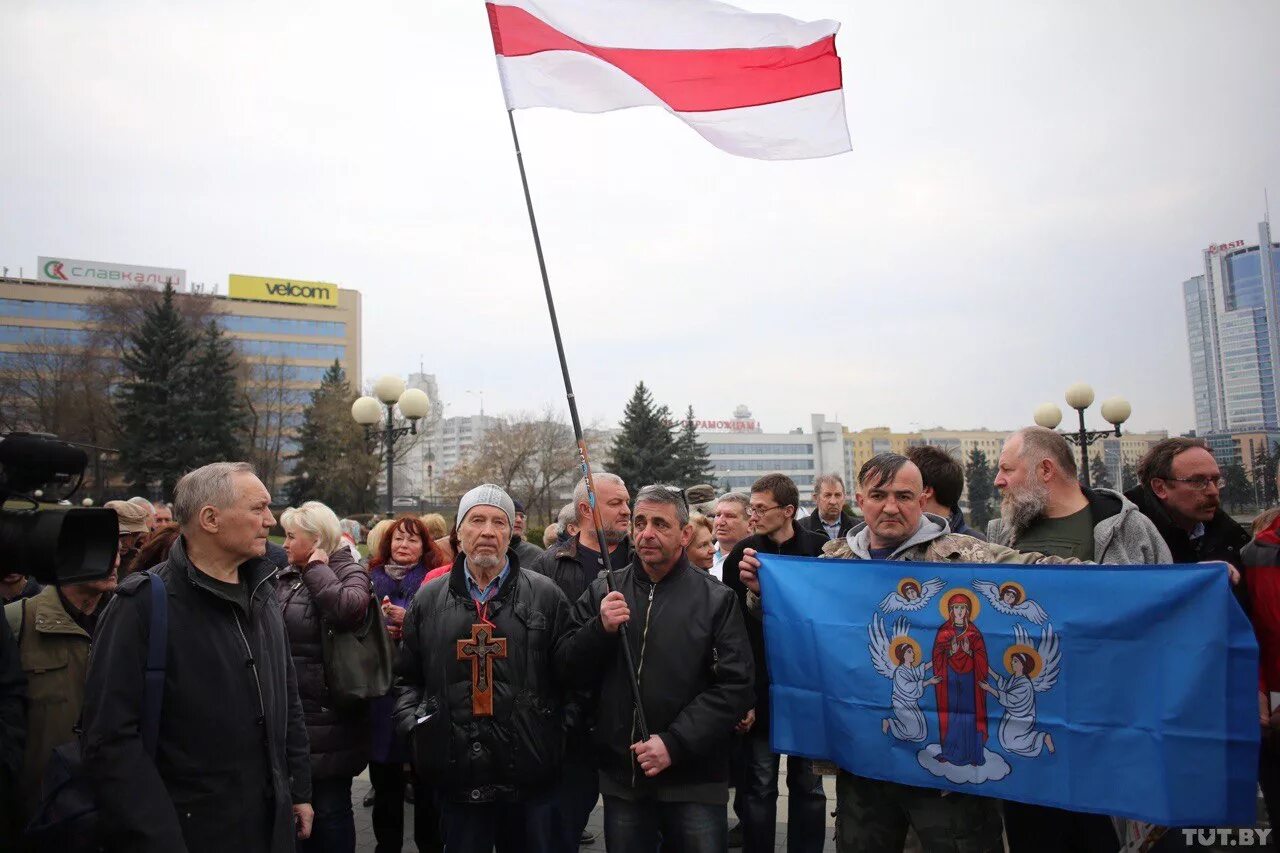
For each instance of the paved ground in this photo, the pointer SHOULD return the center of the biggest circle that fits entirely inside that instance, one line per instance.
(364, 826)
(365, 843)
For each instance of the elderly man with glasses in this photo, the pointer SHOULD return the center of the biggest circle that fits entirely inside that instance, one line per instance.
(1180, 490)
(772, 511)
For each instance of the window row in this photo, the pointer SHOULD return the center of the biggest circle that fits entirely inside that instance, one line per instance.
(723, 449)
(80, 337)
(34, 310)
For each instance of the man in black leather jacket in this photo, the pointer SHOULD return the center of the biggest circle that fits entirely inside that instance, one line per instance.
(475, 691)
(690, 646)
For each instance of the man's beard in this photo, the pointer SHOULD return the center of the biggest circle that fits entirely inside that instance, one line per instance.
(1022, 506)
(614, 537)
(484, 562)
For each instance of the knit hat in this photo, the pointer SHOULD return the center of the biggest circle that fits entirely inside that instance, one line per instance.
(519, 506)
(487, 495)
(131, 517)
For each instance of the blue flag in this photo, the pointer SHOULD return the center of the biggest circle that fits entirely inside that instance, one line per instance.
(1122, 690)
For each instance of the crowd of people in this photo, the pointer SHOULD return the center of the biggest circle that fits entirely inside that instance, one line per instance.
(529, 684)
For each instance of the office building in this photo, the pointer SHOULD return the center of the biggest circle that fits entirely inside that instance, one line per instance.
(288, 333)
(1233, 335)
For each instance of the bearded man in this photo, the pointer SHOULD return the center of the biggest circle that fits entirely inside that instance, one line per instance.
(1045, 509)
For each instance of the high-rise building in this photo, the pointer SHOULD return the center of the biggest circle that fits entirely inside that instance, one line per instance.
(1233, 335)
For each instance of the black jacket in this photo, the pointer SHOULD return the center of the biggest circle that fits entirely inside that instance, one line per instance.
(232, 753)
(338, 591)
(803, 544)
(1223, 537)
(517, 750)
(688, 640)
(563, 564)
(813, 523)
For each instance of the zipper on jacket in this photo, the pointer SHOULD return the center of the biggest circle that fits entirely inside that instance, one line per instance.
(644, 637)
(253, 664)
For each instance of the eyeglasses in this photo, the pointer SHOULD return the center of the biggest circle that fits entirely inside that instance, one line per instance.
(1198, 484)
(761, 510)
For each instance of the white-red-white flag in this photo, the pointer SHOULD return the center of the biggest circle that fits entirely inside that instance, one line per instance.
(763, 86)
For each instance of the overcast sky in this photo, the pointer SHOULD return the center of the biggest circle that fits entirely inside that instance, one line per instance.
(1029, 186)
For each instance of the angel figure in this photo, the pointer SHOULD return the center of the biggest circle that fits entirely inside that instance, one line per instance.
(911, 595)
(1032, 671)
(1011, 599)
(898, 659)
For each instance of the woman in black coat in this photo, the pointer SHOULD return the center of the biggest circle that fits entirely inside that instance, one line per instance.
(323, 581)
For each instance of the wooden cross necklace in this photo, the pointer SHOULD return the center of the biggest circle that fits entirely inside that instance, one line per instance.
(482, 648)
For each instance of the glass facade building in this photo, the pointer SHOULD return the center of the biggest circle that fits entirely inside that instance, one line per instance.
(1233, 336)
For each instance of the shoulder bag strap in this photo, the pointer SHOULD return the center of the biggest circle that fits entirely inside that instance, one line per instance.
(157, 642)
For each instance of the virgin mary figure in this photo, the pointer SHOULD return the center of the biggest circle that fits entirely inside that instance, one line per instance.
(960, 659)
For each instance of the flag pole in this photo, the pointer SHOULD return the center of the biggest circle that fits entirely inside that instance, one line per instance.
(584, 459)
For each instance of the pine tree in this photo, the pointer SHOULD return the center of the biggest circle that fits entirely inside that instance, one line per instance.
(1264, 473)
(1100, 474)
(334, 465)
(980, 479)
(155, 429)
(1128, 477)
(215, 409)
(691, 459)
(1238, 491)
(643, 451)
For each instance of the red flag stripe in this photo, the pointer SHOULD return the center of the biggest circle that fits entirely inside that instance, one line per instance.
(687, 80)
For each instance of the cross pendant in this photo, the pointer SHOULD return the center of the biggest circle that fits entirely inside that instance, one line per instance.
(482, 648)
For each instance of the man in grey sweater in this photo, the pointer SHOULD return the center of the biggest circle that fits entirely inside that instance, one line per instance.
(1045, 509)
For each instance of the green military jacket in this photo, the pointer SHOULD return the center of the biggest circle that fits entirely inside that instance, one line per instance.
(55, 659)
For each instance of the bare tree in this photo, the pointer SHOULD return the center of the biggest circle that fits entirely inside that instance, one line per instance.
(274, 401)
(63, 390)
(531, 457)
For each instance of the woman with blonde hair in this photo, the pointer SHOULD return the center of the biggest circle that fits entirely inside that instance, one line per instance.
(324, 587)
(702, 547)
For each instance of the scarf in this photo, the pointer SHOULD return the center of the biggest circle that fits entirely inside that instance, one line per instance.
(396, 572)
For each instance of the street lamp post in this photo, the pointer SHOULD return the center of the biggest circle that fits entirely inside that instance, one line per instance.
(389, 391)
(1115, 410)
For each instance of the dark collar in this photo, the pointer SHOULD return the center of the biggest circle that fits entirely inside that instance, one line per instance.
(252, 573)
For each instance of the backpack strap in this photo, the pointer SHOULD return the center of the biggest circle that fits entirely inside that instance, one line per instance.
(157, 644)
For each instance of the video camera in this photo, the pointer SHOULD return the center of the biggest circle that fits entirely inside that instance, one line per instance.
(54, 543)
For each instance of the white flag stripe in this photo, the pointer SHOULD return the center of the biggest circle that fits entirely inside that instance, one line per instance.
(812, 126)
(671, 24)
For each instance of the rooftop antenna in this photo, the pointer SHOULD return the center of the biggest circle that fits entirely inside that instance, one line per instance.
(1266, 207)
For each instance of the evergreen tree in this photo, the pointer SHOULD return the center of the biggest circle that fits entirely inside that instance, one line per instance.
(1264, 473)
(215, 409)
(644, 449)
(154, 423)
(980, 479)
(1128, 477)
(692, 459)
(1100, 474)
(1238, 491)
(334, 465)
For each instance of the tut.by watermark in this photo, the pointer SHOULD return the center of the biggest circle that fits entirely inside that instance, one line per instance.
(1226, 837)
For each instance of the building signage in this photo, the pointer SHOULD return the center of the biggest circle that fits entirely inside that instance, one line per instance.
(283, 290)
(100, 274)
(1215, 248)
(733, 425)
